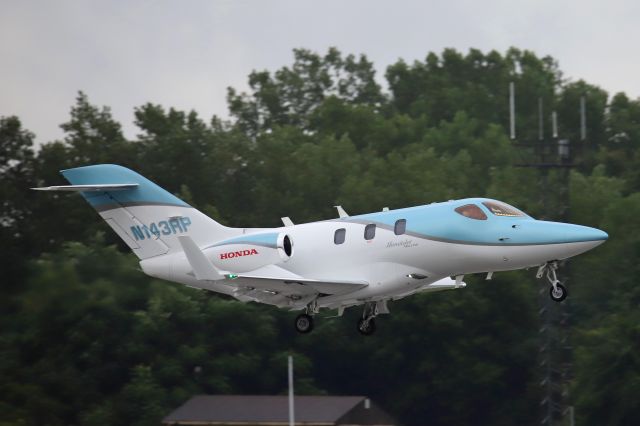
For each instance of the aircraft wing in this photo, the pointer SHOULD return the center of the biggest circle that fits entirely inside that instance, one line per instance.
(277, 286)
(298, 285)
(269, 284)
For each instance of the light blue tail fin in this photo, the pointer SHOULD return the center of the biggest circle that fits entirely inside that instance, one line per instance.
(146, 217)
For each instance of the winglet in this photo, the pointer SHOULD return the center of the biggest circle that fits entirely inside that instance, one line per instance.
(202, 267)
(341, 211)
(287, 221)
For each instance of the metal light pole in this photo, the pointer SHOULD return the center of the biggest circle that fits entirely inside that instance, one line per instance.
(291, 411)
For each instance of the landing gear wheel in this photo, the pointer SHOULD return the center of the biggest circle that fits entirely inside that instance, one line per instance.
(304, 323)
(558, 293)
(367, 327)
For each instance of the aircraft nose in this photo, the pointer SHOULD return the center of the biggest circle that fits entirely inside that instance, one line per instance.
(577, 233)
(542, 232)
(560, 240)
(571, 240)
(594, 234)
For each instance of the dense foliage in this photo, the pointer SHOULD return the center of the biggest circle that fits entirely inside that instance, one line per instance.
(86, 338)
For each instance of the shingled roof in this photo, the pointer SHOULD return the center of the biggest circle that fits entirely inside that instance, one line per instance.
(273, 410)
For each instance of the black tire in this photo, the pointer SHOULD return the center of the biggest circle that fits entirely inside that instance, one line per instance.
(304, 323)
(366, 328)
(560, 295)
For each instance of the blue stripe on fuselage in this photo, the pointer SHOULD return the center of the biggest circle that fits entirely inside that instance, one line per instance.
(441, 222)
(267, 240)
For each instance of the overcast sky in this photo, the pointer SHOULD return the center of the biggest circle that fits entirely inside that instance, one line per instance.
(185, 53)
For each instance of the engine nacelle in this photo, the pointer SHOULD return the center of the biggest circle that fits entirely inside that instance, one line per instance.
(249, 252)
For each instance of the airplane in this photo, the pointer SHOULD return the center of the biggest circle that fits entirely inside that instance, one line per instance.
(368, 259)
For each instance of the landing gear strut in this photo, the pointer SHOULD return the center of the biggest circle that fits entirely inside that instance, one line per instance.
(367, 324)
(557, 291)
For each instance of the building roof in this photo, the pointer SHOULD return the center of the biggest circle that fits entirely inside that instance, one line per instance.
(265, 409)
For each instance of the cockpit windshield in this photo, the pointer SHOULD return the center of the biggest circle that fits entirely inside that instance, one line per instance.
(471, 211)
(502, 209)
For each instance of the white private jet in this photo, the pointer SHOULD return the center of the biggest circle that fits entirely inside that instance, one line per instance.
(365, 260)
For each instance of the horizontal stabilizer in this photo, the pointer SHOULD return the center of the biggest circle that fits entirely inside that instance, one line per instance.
(203, 269)
(88, 188)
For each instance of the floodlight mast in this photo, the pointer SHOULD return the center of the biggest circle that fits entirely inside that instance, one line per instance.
(540, 120)
(583, 118)
(512, 110)
(555, 349)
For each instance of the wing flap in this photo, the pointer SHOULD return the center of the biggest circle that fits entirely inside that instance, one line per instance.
(297, 285)
(443, 284)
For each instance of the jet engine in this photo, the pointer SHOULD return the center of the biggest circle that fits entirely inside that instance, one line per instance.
(249, 252)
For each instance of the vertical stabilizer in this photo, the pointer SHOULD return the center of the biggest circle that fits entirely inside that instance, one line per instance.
(148, 218)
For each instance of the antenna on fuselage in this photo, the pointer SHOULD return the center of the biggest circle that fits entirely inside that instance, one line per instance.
(341, 212)
(287, 221)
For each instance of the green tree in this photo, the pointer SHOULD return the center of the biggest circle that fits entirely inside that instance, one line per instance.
(16, 176)
(290, 95)
(608, 369)
(476, 83)
(93, 136)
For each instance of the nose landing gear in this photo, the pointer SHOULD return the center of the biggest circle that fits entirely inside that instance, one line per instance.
(558, 292)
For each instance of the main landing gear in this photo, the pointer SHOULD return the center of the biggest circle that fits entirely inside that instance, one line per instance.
(557, 291)
(304, 322)
(367, 324)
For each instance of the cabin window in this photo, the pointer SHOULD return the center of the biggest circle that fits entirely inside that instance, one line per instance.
(338, 237)
(369, 231)
(400, 227)
(471, 211)
(502, 209)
